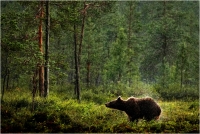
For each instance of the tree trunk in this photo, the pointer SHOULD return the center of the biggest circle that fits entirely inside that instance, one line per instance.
(5, 76)
(181, 76)
(8, 77)
(78, 57)
(88, 73)
(97, 80)
(3, 90)
(130, 18)
(46, 82)
(77, 77)
(182, 65)
(164, 47)
(34, 87)
(82, 33)
(41, 68)
(88, 66)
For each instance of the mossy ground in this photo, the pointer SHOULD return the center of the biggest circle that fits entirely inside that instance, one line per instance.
(60, 113)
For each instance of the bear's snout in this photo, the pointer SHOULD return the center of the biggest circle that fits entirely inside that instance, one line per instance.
(106, 104)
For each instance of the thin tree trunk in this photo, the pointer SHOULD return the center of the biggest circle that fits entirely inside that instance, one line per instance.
(77, 52)
(78, 57)
(5, 76)
(88, 66)
(182, 66)
(81, 41)
(3, 90)
(77, 77)
(4, 83)
(7, 81)
(164, 46)
(82, 33)
(129, 39)
(97, 80)
(46, 82)
(41, 68)
(181, 77)
(34, 86)
(88, 73)
(75, 60)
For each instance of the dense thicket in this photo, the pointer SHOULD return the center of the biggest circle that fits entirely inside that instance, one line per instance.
(119, 43)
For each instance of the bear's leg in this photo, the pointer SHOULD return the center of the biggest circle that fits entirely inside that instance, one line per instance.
(149, 118)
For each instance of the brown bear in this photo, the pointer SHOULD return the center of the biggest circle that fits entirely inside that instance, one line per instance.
(136, 108)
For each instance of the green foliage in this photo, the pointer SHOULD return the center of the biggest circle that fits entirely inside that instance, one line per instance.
(94, 97)
(135, 48)
(58, 114)
(123, 41)
(173, 91)
(167, 43)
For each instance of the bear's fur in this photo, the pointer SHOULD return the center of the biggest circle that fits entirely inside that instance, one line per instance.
(136, 108)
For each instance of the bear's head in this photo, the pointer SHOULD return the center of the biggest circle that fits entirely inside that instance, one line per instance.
(116, 104)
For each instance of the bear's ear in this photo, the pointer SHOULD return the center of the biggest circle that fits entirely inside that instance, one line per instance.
(119, 98)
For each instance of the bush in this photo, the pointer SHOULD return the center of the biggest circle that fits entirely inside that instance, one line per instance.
(173, 91)
(98, 98)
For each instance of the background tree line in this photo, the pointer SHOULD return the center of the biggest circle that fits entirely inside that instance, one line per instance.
(104, 44)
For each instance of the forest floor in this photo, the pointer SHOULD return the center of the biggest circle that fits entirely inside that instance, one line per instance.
(59, 113)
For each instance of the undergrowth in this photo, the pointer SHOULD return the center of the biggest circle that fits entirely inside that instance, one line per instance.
(60, 112)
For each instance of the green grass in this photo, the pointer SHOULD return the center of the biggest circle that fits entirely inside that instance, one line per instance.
(60, 112)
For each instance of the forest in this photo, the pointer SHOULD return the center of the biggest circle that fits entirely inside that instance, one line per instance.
(61, 61)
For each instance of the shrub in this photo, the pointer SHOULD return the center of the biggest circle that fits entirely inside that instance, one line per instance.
(173, 91)
(99, 98)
